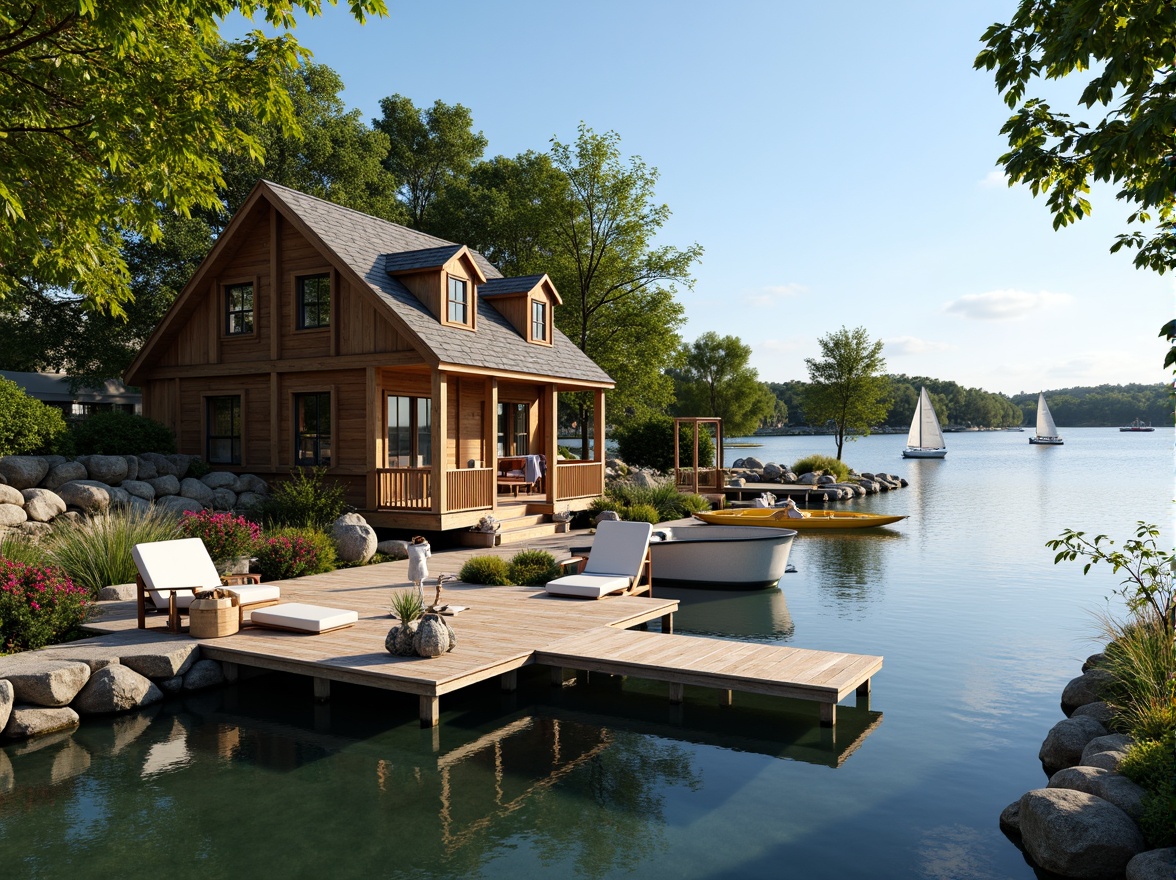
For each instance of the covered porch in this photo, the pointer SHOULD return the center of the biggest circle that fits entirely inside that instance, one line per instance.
(444, 445)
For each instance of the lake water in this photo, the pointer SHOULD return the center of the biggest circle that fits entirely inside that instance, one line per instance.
(980, 632)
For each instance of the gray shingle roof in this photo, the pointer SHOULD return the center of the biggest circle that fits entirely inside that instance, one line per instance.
(499, 286)
(428, 258)
(364, 242)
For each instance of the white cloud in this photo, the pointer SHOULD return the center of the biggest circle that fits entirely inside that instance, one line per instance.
(768, 296)
(783, 346)
(1004, 305)
(994, 179)
(913, 345)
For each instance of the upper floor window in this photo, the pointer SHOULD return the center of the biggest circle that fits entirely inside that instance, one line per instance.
(224, 430)
(239, 309)
(312, 433)
(314, 301)
(538, 320)
(459, 304)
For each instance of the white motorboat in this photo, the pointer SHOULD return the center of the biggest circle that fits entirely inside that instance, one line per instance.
(925, 439)
(1047, 431)
(720, 557)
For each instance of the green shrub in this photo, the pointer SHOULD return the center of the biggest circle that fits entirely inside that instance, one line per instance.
(305, 500)
(225, 535)
(198, 468)
(643, 513)
(827, 463)
(1152, 765)
(489, 570)
(120, 433)
(606, 502)
(532, 568)
(665, 499)
(567, 453)
(38, 607)
(649, 443)
(692, 503)
(17, 547)
(96, 552)
(292, 552)
(27, 426)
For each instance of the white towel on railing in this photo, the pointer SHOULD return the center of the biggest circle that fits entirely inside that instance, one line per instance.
(532, 468)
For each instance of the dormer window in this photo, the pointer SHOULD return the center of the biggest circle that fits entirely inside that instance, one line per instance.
(458, 301)
(538, 321)
(314, 301)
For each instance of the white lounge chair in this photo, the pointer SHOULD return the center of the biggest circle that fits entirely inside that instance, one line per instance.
(170, 572)
(620, 554)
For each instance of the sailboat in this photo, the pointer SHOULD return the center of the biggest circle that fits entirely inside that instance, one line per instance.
(1047, 431)
(925, 439)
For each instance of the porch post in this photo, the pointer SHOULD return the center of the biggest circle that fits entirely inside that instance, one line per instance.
(551, 447)
(375, 423)
(438, 438)
(490, 435)
(598, 425)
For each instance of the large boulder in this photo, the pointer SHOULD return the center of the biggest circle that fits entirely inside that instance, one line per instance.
(12, 515)
(1091, 686)
(63, 473)
(1099, 659)
(221, 480)
(161, 661)
(1076, 834)
(809, 479)
(139, 489)
(110, 469)
(50, 683)
(249, 499)
(163, 467)
(180, 463)
(177, 505)
(42, 505)
(1106, 751)
(253, 483)
(146, 469)
(1100, 711)
(164, 485)
(7, 699)
(115, 688)
(772, 471)
(203, 674)
(753, 464)
(190, 487)
(132, 467)
(1156, 864)
(1010, 820)
(223, 499)
(1109, 786)
(1065, 741)
(355, 540)
(88, 495)
(8, 495)
(30, 721)
(394, 548)
(23, 471)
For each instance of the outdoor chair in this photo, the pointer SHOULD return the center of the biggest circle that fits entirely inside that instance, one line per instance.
(171, 571)
(619, 558)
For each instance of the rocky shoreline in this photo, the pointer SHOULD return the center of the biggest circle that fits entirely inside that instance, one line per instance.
(822, 487)
(1084, 823)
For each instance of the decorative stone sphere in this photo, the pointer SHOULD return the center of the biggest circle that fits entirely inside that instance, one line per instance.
(401, 639)
(434, 636)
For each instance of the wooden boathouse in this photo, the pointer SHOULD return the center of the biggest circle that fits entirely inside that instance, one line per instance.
(313, 335)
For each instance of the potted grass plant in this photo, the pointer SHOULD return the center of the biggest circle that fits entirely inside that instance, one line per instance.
(407, 607)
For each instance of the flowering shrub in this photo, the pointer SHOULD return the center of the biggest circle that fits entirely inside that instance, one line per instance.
(38, 606)
(290, 553)
(225, 535)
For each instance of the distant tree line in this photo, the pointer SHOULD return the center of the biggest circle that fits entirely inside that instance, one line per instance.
(1102, 405)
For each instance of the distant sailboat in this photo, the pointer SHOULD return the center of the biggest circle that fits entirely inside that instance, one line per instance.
(1047, 431)
(925, 439)
(1137, 427)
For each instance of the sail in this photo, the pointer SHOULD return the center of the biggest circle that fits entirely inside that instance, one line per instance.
(925, 433)
(1045, 422)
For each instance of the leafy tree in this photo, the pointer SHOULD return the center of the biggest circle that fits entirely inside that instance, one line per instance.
(428, 150)
(1127, 51)
(648, 441)
(791, 397)
(717, 380)
(112, 110)
(1102, 406)
(617, 286)
(847, 386)
(26, 425)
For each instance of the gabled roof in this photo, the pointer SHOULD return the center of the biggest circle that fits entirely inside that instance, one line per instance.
(427, 258)
(363, 242)
(502, 286)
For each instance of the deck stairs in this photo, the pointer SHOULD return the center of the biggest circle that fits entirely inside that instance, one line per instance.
(519, 525)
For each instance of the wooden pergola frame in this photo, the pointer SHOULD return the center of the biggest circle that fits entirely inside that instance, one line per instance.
(694, 482)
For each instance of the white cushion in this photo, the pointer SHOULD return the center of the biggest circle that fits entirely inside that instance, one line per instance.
(589, 586)
(182, 564)
(619, 548)
(248, 594)
(304, 618)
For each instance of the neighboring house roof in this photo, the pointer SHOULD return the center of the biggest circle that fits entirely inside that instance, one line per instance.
(364, 244)
(54, 387)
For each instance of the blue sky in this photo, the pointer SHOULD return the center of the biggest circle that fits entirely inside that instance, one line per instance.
(836, 161)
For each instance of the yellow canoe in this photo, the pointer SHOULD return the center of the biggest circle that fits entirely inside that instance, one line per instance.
(813, 519)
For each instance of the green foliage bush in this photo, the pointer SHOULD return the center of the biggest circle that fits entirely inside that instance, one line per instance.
(666, 500)
(225, 535)
(38, 607)
(95, 552)
(1152, 765)
(649, 443)
(567, 453)
(826, 463)
(292, 552)
(27, 426)
(532, 568)
(643, 513)
(198, 468)
(489, 570)
(305, 500)
(120, 433)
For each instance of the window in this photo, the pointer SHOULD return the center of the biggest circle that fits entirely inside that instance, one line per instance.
(458, 301)
(514, 435)
(314, 301)
(224, 430)
(538, 321)
(312, 438)
(238, 309)
(410, 431)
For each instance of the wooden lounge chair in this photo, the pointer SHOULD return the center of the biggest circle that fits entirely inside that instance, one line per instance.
(170, 572)
(619, 557)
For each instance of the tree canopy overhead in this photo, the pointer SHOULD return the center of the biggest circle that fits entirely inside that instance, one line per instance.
(1127, 136)
(110, 111)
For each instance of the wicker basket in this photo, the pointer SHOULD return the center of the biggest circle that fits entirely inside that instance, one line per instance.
(213, 618)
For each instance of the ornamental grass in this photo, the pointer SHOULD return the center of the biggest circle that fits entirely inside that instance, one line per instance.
(95, 552)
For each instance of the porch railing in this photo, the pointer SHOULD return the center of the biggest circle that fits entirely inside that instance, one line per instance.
(579, 479)
(411, 488)
(469, 489)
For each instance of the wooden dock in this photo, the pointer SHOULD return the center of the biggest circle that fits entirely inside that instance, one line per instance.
(507, 628)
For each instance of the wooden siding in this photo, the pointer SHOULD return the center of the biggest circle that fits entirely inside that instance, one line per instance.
(425, 286)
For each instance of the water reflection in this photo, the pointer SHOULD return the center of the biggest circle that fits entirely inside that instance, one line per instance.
(851, 567)
(760, 615)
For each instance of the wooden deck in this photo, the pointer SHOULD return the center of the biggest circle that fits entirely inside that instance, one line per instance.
(507, 628)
